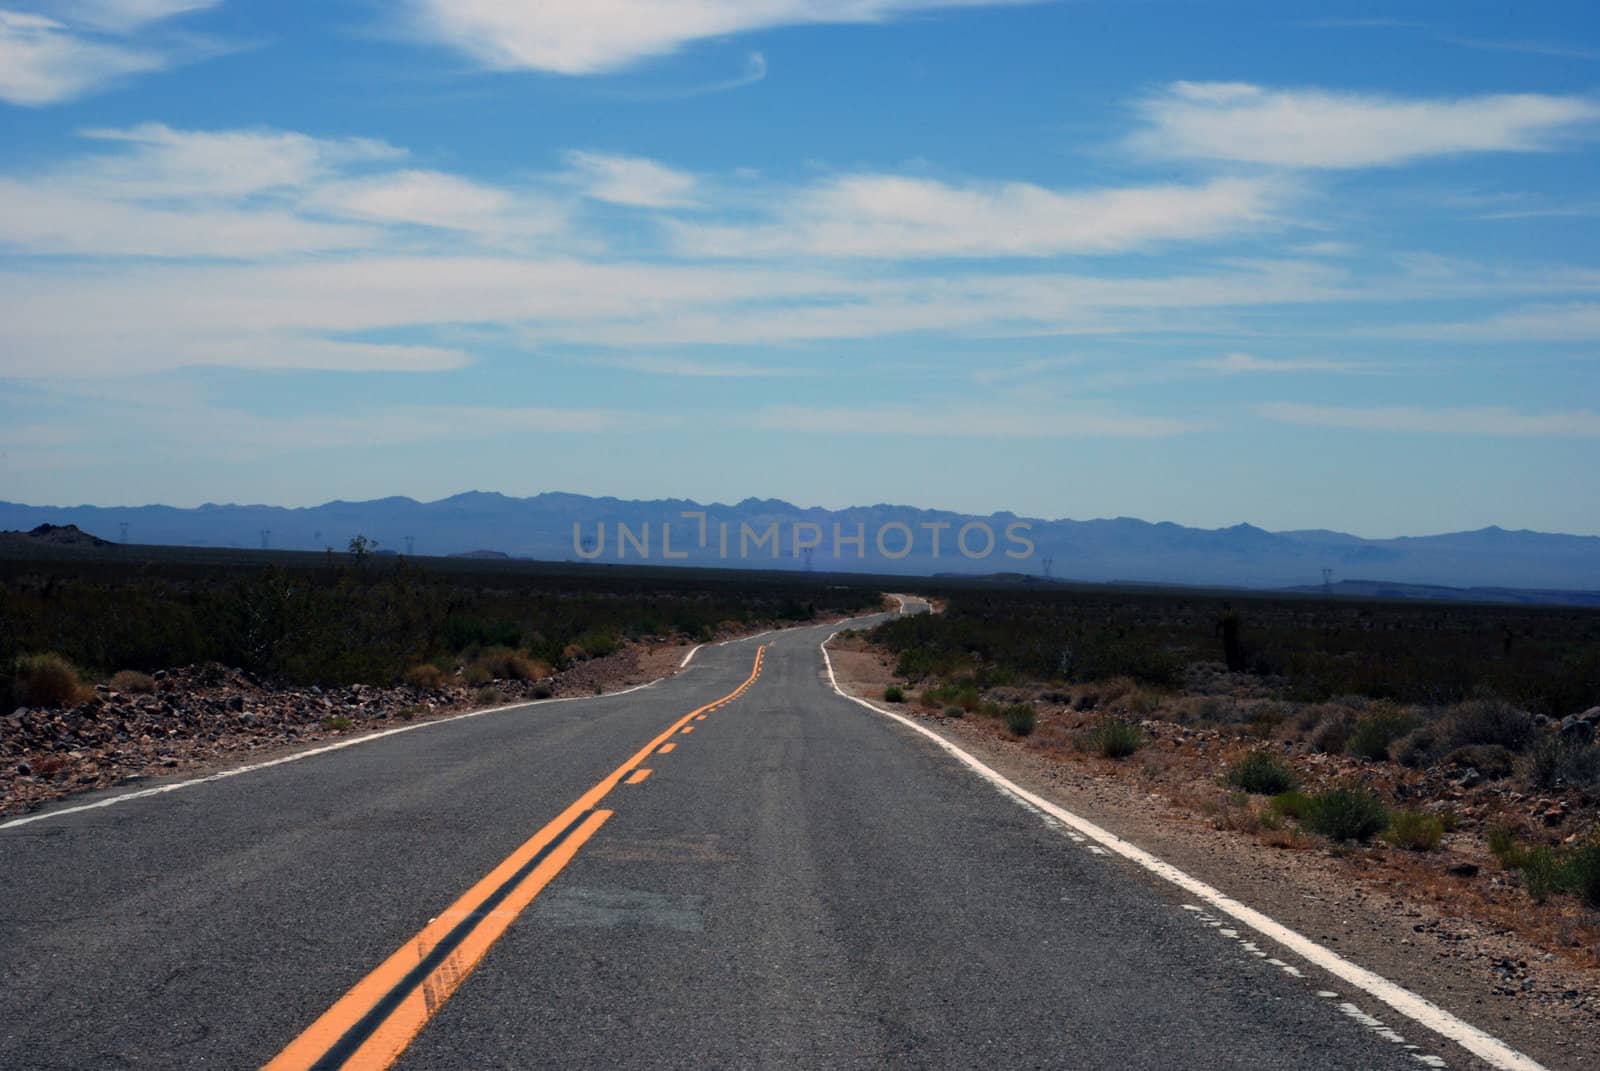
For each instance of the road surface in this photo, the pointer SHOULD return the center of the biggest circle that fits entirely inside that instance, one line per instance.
(796, 882)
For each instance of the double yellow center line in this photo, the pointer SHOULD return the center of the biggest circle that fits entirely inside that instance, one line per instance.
(370, 1026)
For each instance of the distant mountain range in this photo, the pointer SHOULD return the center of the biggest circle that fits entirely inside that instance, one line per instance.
(770, 533)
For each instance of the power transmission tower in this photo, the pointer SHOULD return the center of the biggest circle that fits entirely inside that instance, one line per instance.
(124, 531)
(1327, 579)
(266, 538)
(410, 540)
(1048, 562)
(807, 554)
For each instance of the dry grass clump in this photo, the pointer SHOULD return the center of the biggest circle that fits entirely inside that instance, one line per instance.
(132, 682)
(426, 676)
(47, 680)
(504, 664)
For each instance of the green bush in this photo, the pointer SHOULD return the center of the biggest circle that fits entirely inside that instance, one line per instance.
(1490, 722)
(1415, 831)
(1114, 738)
(1261, 773)
(1291, 804)
(336, 723)
(542, 691)
(1555, 763)
(426, 676)
(1020, 719)
(1375, 731)
(955, 712)
(1491, 760)
(1345, 814)
(47, 680)
(1546, 871)
(894, 694)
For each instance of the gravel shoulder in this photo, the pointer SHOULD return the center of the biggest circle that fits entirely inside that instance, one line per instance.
(1428, 930)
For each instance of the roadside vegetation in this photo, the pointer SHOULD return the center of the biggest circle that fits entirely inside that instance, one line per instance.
(1465, 733)
(349, 619)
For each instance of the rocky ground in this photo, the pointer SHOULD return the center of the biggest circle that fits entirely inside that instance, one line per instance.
(200, 717)
(1451, 924)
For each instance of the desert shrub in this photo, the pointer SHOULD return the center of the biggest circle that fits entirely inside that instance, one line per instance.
(1291, 804)
(1332, 733)
(955, 712)
(1490, 721)
(336, 723)
(1346, 814)
(1418, 748)
(1376, 730)
(133, 682)
(1261, 773)
(1491, 760)
(542, 691)
(426, 676)
(1546, 870)
(1558, 763)
(47, 680)
(894, 694)
(488, 697)
(1415, 831)
(1020, 719)
(1113, 738)
(502, 663)
(476, 675)
(597, 644)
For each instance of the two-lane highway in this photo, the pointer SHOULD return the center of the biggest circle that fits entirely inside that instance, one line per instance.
(736, 867)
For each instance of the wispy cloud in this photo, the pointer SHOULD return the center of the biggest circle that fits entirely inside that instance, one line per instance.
(1532, 48)
(574, 37)
(1310, 128)
(631, 180)
(968, 421)
(85, 46)
(1573, 322)
(694, 369)
(893, 216)
(1242, 363)
(247, 194)
(1494, 421)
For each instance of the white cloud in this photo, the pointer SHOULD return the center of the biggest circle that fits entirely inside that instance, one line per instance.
(153, 160)
(1495, 421)
(125, 15)
(580, 37)
(1309, 128)
(892, 216)
(680, 366)
(1578, 322)
(631, 180)
(89, 45)
(249, 194)
(1237, 363)
(42, 61)
(946, 421)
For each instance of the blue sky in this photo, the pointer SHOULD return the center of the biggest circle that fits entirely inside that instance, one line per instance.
(1297, 265)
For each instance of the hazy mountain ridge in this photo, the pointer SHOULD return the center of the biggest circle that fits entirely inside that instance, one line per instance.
(1125, 548)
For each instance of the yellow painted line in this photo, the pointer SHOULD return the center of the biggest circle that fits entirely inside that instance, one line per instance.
(638, 775)
(664, 748)
(315, 1047)
(687, 729)
(700, 717)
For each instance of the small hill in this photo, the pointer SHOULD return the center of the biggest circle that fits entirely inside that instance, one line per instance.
(56, 535)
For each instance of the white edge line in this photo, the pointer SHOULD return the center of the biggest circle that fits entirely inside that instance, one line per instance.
(1420, 1009)
(365, 738)
(690, 655)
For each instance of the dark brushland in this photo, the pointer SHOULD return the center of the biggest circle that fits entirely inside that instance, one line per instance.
(1539, 566)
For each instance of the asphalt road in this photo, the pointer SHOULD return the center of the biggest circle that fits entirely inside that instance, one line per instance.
(797, 883)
